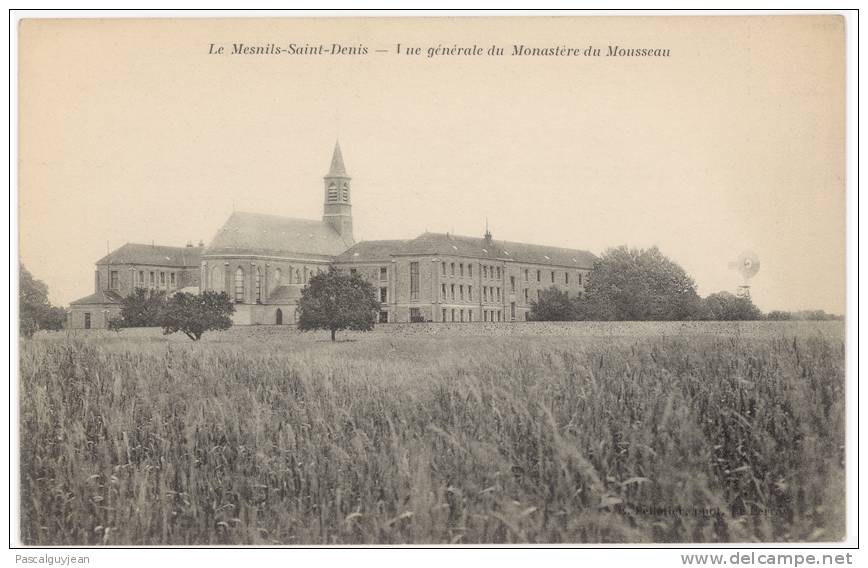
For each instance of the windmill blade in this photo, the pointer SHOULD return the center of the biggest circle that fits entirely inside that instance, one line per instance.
(748, 264)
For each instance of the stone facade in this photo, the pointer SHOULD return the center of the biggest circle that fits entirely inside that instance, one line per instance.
(129, 267)
(263, 262)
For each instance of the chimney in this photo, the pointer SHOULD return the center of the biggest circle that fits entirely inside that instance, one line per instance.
(189, 244)
(96, 280)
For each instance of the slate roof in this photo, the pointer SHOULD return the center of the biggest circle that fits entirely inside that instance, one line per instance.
(372, 251)
(134, 253)
(256, 233)
(100, 297)
(476, 247)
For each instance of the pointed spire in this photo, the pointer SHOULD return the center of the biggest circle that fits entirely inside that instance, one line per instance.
(337, 167)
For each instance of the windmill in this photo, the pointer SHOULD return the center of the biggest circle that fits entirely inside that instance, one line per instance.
(748, 265)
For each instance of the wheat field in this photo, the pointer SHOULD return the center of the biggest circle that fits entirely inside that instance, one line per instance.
(524, 433)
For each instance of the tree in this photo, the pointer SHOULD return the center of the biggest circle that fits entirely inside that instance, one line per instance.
(335, 300)
(194, 314)
(143, 308)
(553, 305)
(725, 306)
(639, 284)
(116, 324)
(34, 310)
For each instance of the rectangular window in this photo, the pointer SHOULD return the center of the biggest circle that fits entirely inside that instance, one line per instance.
(384, 316)
(141, 277)
(538, 273)
(453, 269)
(525, 295)
(453, 314)
(498, 293)
(526, 275)
(512, 310)
(383, 273)
(113, 279)
(452, 289)
(86, 320)
(566, 277)
(384, 295)
(416, 315)
(553, 276)
(469, 315)
(172, 279)
(470, 293)
(512, 283)
(414, 280)
(470, 271)
(580, 278)
(484, 315)
(485, 272)
(461, 292)
(537, 295)
(162, 278)
(444, 269)
(152, 281)
(461, 269)
(485, 293)
(498, 273)
(461, 315)
(443, 291)
(444, 315)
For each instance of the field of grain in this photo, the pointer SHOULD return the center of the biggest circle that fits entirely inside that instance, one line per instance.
(475, 433)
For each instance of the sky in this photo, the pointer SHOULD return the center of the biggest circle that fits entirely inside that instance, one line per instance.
(130, 131)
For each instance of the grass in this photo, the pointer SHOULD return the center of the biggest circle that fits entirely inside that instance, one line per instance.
(530, 433)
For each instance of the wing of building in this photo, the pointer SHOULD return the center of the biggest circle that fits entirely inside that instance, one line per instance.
(263, 262)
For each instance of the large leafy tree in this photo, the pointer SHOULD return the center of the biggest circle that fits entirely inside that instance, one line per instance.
(553, 305)
(34, 310)
(194, 314)
(639, 284)
(335, 300)
(725, 306)
(143, 308)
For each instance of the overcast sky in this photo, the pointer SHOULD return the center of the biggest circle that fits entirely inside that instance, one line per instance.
(132, 132)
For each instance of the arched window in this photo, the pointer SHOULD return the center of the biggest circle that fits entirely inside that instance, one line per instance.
(345, 192)
(239, 284)
(333, 192)
(258, 285)
(277, 275)
(278, 317)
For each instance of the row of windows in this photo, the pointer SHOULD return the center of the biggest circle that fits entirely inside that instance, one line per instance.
(552, 275)
(460, 272)
(165, 279)
(494, 272)
(489, 272)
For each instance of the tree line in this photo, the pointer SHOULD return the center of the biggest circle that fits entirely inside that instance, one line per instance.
(626, 284)
(630, 284)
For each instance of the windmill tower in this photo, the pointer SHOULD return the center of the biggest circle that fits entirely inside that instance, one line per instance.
(748, 265)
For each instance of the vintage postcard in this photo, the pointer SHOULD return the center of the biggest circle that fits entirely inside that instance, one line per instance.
(452, 281)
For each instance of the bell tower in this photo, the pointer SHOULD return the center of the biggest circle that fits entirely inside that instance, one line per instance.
(337, 209)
